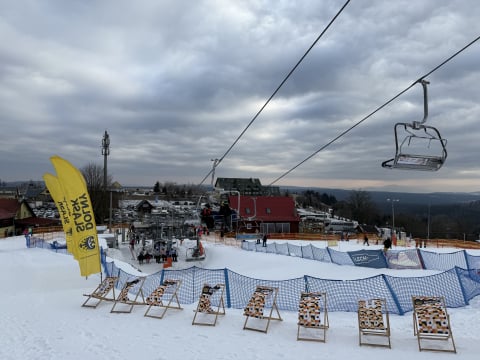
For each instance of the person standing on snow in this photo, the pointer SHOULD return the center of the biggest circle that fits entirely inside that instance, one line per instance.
(365, 240)
(264, 240)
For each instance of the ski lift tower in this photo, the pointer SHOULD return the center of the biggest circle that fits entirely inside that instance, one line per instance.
(105, 153)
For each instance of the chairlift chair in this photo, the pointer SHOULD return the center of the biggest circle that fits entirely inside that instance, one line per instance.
(415, 151)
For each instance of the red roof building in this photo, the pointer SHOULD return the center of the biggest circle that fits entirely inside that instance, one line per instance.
(266, 214)
(16, 215)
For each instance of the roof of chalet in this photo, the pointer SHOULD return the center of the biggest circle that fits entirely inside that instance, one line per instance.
(33, 191)
(144, 204)
(265, 208)
(8, 208)
(246, 186)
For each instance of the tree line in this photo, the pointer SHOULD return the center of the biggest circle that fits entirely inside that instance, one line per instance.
(455, 221)
(450, 221)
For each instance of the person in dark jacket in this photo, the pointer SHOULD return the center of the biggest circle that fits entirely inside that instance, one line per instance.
(387, 244)
(365, 240)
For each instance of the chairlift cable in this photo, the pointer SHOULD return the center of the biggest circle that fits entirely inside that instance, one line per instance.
(276, 90)
(375, 111)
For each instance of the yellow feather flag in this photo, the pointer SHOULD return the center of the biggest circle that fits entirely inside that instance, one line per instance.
(84, 229)
(61, 202)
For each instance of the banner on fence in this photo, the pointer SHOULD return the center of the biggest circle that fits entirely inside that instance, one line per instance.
(368, 258)
(407, 259)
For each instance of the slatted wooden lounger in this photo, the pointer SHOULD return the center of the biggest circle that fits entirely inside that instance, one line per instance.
(164, 297)
(263, 297)
(124, 303)
(210, 305)
(104, 292)
(312, 317)
(373, 321)
(431, 323)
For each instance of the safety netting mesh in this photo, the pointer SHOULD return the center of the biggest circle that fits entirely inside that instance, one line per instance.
(458, 285)
(443, 261)
(445, 284)
(473, 261)
(340, 257)
(320, 254)
(470, 280)
(282, 248)
(307, 252)
(241, 289)
(41, 243)
(343, 295)
(295, 250)
(394, 259)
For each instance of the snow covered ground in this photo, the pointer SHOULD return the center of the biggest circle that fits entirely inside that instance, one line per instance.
(42, 317)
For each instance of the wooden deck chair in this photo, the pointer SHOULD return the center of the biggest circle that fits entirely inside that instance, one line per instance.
(312, 317)
(431, 322)
(163, 297)
(373, 321)
(104, 292)
(210, 305)
(262, 298)
(123, 302)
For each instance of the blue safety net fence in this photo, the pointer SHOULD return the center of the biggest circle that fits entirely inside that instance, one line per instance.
(457, 284)
(54, 246)
(377, 258)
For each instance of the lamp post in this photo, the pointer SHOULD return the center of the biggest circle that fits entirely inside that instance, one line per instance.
(105, 153)
(393, 234)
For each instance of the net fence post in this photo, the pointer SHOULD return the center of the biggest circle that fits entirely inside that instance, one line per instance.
(394, 295)
(227, 288)
(464, 294)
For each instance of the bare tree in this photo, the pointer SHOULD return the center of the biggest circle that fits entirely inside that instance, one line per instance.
(100, 197)
(361, 207)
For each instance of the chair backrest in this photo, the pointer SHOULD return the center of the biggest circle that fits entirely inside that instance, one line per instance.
(259, 300)
(205, 301)
(130, 285)
(169, 286)
(431, 315)
(107, 284)
(371, 314)
(311, 307)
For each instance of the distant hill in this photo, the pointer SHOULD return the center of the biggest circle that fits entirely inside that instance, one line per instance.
(452, 215)
(380, 197)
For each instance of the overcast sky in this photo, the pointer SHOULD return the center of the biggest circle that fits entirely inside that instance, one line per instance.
(176, 82)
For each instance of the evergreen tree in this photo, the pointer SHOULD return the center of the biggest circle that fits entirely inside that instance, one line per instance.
(156, 187)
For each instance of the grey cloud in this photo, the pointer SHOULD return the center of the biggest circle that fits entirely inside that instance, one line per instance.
(175, 84)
